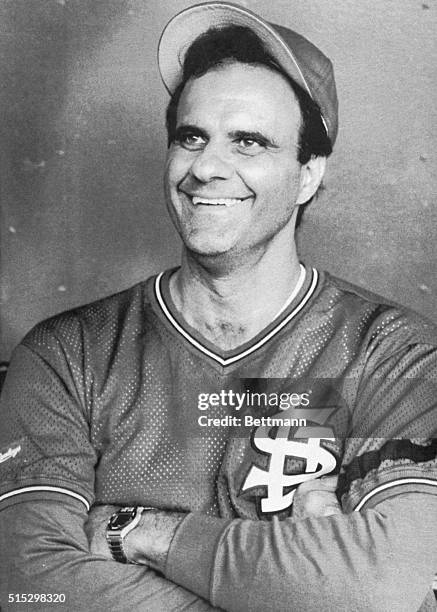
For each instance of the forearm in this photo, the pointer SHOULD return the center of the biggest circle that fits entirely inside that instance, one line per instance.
(45, 550)
(380, 560)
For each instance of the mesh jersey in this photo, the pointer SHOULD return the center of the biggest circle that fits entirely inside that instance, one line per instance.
(108, 406)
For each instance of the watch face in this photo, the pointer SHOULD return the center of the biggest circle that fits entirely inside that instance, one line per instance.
(121, 518)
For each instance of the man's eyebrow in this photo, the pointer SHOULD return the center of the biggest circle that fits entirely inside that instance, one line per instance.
(185, 128)
(267, 141)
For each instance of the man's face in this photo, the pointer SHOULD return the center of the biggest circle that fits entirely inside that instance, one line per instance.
(232, 177)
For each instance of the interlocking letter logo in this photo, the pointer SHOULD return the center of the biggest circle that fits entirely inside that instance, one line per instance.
(10, 453)
(279, 448)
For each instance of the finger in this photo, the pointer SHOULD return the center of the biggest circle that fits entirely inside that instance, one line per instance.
(332, 509)
(329, 483)
(315, 503)
(326, 483)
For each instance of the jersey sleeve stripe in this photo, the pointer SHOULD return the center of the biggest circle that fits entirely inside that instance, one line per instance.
(393, 451)
(52, 489)
(393, 483)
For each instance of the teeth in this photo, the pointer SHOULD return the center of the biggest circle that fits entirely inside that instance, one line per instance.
(216, 201)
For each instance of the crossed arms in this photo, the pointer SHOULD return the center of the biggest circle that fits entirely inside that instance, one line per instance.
(380, 559)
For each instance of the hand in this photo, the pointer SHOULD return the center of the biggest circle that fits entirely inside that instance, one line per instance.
(149, 543)
(95, 529)
(316, 498)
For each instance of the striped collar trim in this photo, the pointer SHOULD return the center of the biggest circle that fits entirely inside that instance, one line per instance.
(259, 343)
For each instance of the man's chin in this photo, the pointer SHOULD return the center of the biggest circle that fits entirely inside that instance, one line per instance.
(211, 254)
(218, 260)
(210, 251)
(208, 247)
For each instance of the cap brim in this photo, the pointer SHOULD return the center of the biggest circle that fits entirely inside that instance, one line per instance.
(189, 24)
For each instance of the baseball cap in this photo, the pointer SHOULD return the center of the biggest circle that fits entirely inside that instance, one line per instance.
(296, 55)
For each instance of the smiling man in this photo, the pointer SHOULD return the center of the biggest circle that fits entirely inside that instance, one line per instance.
(233, 178)
(233, 181)
(109, 483)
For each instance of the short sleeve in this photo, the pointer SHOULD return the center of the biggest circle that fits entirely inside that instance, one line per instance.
(45, 448)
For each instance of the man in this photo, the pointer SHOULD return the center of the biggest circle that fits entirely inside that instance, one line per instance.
(141, 399)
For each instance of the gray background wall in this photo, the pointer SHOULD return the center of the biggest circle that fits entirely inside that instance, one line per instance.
(82, 146)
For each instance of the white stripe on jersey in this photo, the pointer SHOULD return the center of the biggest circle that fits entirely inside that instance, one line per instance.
(394, 483)
(254, 347)
(31, 489)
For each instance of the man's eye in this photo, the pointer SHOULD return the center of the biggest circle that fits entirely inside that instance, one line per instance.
(250, 145)
(190, 140)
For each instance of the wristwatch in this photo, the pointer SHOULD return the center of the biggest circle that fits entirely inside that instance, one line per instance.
(119, 525)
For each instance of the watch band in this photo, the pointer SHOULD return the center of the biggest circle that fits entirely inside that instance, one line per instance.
(119, 525)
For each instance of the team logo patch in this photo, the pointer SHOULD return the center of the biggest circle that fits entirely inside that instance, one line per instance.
(278, 445)
(10, 453)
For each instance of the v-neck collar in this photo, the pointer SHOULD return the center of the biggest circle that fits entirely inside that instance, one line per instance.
(305, 289)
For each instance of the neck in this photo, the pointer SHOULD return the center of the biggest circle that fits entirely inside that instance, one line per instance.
(230, 304)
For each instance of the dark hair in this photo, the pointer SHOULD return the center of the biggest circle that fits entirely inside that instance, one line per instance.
(215, 48)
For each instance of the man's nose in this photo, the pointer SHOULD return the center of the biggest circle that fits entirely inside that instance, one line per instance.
(212, 163)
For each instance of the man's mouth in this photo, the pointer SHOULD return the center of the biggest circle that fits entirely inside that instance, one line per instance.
(201, 201)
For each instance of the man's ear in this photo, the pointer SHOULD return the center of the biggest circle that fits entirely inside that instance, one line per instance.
(311, 175)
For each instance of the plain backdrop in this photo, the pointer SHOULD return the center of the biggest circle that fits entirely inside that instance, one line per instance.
(82, 146)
